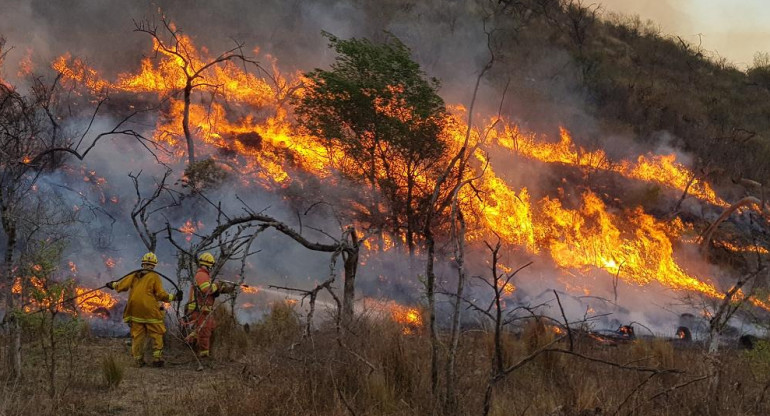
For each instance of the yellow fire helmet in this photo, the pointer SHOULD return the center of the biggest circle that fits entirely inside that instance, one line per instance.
(206, 259)
(150, 258)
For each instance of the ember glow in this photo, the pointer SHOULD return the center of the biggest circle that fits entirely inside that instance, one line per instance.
(742, 249)
(189, 228)
(409, 318)
(628, 243)
(109, 262)
(250, 289)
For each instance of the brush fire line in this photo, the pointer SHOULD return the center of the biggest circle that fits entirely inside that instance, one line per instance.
(629, 244)
(91, 302)
(580, 233)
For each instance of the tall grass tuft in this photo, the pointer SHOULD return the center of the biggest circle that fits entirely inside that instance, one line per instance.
(112, 371)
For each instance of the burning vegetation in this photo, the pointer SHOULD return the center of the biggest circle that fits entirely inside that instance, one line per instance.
(628, 242)
(365, 165)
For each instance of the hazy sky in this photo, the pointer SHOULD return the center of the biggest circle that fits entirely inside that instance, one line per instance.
(734, 29)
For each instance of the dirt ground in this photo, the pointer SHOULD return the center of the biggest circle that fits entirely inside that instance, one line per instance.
(142, 391)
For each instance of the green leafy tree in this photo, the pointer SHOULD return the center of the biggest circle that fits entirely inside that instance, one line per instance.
(380, 109)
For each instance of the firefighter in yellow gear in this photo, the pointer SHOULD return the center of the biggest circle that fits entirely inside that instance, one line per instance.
(143, 313)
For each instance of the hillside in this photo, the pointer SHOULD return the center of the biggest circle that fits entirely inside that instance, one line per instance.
(395, 207)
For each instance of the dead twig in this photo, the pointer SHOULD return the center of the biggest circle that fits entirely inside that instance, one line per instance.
(566, 322)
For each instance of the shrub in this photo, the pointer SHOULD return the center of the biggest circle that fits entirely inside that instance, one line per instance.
(759, 360)
(282, 324)
(229, 339)
(204, 174)
(112, 371)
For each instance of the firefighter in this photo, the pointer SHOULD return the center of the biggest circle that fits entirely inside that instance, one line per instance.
(143, 313)
(201, 305)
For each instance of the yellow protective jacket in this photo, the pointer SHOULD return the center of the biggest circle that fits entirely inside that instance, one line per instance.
(145, 291)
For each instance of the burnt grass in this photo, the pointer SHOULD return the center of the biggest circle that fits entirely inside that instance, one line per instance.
(377, 369)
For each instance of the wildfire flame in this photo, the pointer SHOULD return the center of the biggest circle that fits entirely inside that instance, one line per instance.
(742, 249)
(661, 169)
(409, 318)
(630, 244)
(109, 262)
(189, 228)
(250, 289)
(90, 302)
(38, 296)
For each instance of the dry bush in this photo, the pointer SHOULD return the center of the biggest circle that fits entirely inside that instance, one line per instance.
(374, 368)
(656, 352)
(536, 335)
(282, 324)
(229, 340)
(112, 371)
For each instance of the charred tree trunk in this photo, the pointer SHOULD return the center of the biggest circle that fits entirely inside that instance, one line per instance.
(186, 123)
(351, 267)
(498, 312)
(498, 364)
(718, 322)
(410, 213)
(14, 339)
(749, 200)
(430, 292)
(451, 395)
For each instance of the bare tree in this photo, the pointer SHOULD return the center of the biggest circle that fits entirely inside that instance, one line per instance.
(193, 71)
(733, 300)
(445, 190)
(146, 207)
(232, 234)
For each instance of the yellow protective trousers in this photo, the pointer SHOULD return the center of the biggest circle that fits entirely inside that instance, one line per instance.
(139, 334)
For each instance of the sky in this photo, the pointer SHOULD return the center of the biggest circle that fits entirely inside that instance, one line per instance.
(734, 29)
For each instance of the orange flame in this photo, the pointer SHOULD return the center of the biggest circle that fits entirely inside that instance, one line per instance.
(629, 243)
(189, 228)
(250, 289)
(38, 296)
(661, 169)
(90, 302)
(742, 249)
(109, 262)
(409, 318)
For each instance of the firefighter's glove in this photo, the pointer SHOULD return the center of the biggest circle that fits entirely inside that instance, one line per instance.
(178, 295)
(227, 288)
(111, 285)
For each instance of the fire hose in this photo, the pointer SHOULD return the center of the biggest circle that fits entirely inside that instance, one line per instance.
(61, 302)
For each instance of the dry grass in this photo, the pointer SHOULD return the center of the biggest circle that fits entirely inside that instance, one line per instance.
(377, 370)
(112, 371)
